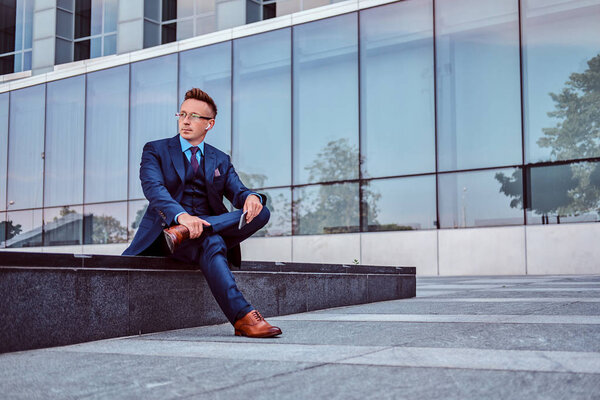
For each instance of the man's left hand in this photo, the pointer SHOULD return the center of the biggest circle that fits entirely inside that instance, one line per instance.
(253, 206)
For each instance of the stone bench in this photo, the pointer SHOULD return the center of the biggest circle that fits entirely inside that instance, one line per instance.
(59, 299)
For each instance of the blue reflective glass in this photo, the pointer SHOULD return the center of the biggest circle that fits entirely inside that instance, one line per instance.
(262, 108)
(96, 47)
(478, 84)
(106, 135)
(326, 100)
(397, 92)
(153, 105)
(279, 202)
(65, 116)
(64, 24)
(28, 20)
(214, 77)
(561, 70)
(400, 204)
(563, 193)
(110, 16)
(480, 198)
(26, 148)
(110, 45)
(63, 226)
(3, 147)
(105, 223)
(18, 38)
(96, 17)
(24, 228)
(326, 209)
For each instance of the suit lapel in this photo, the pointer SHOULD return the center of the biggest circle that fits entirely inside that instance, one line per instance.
(176, 158)
(210, 163)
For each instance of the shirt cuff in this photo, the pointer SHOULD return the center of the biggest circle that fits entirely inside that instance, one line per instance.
(257, 195)
(177, 216)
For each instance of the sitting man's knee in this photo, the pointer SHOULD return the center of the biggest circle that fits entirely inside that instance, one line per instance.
(263, 217)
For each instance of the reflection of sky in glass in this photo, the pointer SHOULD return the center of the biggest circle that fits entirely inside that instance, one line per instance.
(65, 109)
(564, 193)
(3, 147)
(106, 135)
(209, 68)
(325, 92)
(29, 225)
(26, 145)
(397, 98)
(153, 107)
(63, 226)
(262, 107)
(105, 223)
(279, 202)
(558, 42)
(470, 199)
(479, 112)
(404, 202)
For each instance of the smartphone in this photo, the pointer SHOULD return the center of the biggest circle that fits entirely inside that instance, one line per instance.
(242, 220)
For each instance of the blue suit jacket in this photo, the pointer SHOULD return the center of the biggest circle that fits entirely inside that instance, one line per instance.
(162, 173)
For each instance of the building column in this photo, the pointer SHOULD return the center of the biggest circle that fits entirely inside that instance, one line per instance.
(44, 36)
(130, 26)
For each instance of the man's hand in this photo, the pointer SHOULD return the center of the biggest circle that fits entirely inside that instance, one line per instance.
(253, 206)
(194, 224)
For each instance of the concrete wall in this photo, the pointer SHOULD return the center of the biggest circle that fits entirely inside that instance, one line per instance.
(511, 250)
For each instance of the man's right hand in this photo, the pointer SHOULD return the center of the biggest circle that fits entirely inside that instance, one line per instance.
(194, 224)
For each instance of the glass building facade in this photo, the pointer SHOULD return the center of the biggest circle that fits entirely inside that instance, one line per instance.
(416, 115)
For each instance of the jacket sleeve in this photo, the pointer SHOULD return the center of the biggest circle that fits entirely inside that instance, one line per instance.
(154, 187)
(235, 191)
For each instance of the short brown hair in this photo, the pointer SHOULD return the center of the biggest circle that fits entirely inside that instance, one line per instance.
(198, 94)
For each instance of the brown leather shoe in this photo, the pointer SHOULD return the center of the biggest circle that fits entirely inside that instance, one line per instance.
(254, 325)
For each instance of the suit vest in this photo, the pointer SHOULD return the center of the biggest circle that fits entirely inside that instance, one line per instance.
(195, 198)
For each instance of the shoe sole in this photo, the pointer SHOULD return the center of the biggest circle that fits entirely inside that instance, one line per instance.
(266, 335)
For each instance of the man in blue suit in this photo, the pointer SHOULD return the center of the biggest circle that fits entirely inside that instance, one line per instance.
(184, 179)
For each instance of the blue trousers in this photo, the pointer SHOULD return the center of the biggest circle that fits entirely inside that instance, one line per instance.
(210, 252)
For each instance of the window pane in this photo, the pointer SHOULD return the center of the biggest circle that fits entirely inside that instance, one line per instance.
(64, 24)
(185, 29)
(479, 103)
(137, 208)
(64, 142)
(63, 226)
(151, 34)
(24, 228)
(206, 24)
(398, 117)
(480, 198)
(152, 9)
(400, 204)
(105, 223)
(279, 202)
(153, 108)
(96, 47)
(564, 193)
(215, 79)
(169, 33)
(326, 209)
(26, 148)
(106, 135)
(326, 100)
(110, 16)
(81, 50)
(83, 15)
(3, 147)
(262, 108)
(110, 45)
(561, 68)
(64, 51)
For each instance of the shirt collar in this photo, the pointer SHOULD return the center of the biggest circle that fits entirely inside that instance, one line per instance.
(185, 145)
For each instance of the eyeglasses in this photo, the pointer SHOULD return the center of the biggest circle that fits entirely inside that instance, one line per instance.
(193, 116)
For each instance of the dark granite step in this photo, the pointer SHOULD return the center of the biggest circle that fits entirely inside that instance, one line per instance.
(59, 299)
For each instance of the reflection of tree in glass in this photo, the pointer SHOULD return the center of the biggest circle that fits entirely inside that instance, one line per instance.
(280, 221)
(252, 181)
(64, 212)
(333, 208)
(107, 229)
(10, 229)
(138, 217)
(574, 189)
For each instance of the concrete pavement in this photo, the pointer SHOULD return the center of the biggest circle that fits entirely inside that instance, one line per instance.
(460, 338)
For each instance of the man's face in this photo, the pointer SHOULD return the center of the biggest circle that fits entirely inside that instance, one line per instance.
(191, 128)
